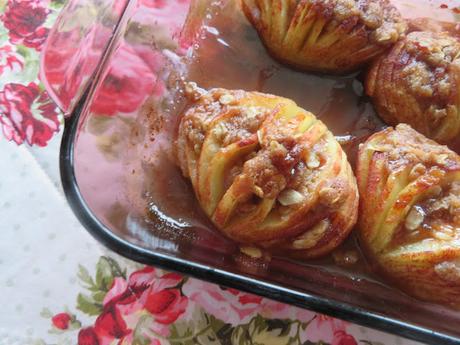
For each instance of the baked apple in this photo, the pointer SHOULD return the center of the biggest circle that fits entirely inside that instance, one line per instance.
(334, 36)
(267, 172)
(409, 221)
(418, 82)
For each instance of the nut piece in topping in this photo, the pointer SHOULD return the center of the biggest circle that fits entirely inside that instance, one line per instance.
(334, 36)
(226, 98)
(290, 197)
(418, 170)
(415, 218)
(410, 202)
(252, 252)
(313, 161)
(310, 238)
(247, 157)
(416, 82)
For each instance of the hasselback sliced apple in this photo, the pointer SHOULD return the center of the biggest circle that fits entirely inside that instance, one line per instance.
(333, 36)
(267, 172)
(409, 221)
(418, 82)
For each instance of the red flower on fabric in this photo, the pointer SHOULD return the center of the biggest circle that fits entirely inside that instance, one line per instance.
(61, 320)
(127, 295)
(10, 60)
(87, 336)
(144, 290)
(229, 305)
(130, 78)
(343, 338)
(110, 324)
(26, 113)
(166, 305)
(23, 19)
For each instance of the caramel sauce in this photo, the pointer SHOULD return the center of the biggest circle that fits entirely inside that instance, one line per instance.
(436, 223)
(229, 54)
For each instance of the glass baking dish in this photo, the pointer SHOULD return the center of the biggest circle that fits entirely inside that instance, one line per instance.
(116, 69)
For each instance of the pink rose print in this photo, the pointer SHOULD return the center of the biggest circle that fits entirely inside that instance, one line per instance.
(10, 60)
(146, 291)
(276, 310)
(130, 78)
(229, 305)
(87, 336)
(324, 328)
(61, 320)
(69, 59)
(129, 296)
(343, 338)
(166, 305)
(23, 19)
(17, 119)
(110, 325)
(145, 307)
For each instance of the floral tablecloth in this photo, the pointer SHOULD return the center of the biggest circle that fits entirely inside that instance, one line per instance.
(59, 286)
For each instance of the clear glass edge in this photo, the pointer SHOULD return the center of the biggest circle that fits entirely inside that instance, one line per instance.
(207, 273)
(246, 283)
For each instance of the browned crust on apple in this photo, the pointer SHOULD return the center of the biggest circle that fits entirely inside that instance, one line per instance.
(267, 172)
(334, 36)
(409, 221)
(418, 83)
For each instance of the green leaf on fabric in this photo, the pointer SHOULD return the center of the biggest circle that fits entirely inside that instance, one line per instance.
(241, 336)
(74, 325)
(224, 334)
(57, 4)
(106, 270)
(215, 323)
(84, 276)
(3, 5)
(99, 296)
(282, 326)
(41, 87)
(39, 342)
(46, 313)
(261, 331)
(181, 334)
(87, 305)
(141, 331)
(200, 328)
(24, 51)
(104, 275)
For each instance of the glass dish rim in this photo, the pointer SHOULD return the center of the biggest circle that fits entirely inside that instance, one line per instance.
(217, 276)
